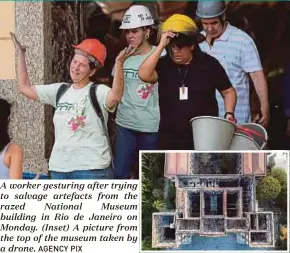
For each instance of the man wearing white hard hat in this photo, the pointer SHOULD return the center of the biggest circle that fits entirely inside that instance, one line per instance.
(137, 116)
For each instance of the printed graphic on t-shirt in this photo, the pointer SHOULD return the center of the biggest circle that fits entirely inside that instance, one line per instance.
(77, 122)
(75, 113)
(131, 73)
(62, 108)
(144, 90)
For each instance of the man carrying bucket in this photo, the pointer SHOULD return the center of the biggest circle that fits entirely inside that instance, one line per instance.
(188, 79)
(237, 53)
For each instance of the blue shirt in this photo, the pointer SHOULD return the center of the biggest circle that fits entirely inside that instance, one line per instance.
(237, 53)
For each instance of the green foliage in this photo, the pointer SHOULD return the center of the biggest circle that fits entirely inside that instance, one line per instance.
(147, 207)
(283, 220)
(281, 175)
(147, 244)
(268, 188)
(158, 193)
(280, 243)
(281, 200)
(171, 196)
(152, 190)
(159, 205)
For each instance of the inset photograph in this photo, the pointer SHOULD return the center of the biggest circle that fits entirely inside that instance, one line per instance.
(214, 201)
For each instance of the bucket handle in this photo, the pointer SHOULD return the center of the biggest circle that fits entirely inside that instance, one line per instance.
(251, 132)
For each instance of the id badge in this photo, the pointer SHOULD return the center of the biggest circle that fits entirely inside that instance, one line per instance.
(183, 93)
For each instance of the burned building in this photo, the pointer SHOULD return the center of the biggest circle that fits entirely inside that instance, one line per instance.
(214, 197)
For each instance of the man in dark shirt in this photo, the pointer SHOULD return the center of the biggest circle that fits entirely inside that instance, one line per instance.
(188, 80)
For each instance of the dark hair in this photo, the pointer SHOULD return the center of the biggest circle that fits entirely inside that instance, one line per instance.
(4, 116)
(222, 19)
(183, 40)
(93, 65)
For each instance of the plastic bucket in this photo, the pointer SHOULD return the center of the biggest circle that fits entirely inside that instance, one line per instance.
(243, 142)
(248, 136)
(212, 133)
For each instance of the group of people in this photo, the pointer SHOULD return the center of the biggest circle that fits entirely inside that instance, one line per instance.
(156, 91)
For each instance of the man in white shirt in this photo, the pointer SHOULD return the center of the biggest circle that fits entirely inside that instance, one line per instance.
(237, 53)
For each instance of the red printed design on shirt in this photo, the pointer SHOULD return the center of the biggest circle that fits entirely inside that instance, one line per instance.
(77, 122)
(144, 90)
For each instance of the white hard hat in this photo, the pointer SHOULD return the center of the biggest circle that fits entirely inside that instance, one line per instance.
(137, 16)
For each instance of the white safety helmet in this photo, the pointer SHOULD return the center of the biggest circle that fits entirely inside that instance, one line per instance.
(137, 16)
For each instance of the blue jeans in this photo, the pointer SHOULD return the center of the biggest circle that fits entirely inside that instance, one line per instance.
(82, 174)
(128, 144)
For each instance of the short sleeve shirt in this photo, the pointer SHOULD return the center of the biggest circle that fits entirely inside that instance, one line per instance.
(139, 107)
(204, 76)
(80, 141)
(237, 53)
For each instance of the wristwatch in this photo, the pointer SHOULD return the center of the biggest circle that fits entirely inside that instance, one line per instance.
(229, 113)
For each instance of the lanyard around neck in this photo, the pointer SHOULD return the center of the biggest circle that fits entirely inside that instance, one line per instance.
(183, 75)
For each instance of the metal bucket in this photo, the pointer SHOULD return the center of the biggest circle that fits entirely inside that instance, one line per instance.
(249, 136)
(243, 142)
(212, 133)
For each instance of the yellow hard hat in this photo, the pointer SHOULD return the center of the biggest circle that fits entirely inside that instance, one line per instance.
(179, 23)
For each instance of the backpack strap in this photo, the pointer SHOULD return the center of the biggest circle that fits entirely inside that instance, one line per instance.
(95, 103)
(61, 90)
(98, 111)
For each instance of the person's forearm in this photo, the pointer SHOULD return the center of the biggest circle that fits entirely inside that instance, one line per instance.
(230, 99)
(118, 82)
(146, 71)
(22, 74)
(261, 88)
(24, 85)
(116, 92)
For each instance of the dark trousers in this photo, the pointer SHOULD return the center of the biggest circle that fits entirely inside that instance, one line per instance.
(128, 144)
(169, 142)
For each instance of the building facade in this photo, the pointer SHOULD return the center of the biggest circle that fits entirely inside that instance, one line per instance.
(214, 199)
